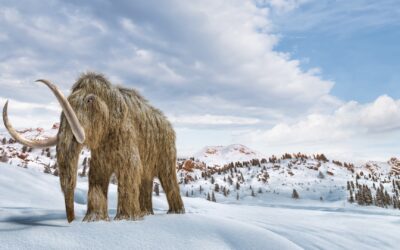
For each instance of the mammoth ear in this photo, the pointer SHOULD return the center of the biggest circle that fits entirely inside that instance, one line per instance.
(119, 109)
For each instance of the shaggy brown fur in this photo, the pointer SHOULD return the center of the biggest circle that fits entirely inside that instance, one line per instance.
(126, 136)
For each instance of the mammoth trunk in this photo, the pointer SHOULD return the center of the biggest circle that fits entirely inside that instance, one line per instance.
(68, 151)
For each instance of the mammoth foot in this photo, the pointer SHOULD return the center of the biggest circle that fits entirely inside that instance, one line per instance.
(93, 216)
(147, 212)
(129, 217)
(176, 211)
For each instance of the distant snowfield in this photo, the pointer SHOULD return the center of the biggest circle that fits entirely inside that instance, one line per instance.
(32, 216)
(220, 155)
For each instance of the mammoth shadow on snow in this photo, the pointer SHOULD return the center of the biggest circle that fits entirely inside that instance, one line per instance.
(42, 220)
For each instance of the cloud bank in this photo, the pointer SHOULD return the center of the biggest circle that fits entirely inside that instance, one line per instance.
(209, 65)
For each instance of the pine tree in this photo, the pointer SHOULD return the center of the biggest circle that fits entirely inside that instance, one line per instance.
(295, 195)
(4, 157)
(252, 193)
(225, 192)
(187, 193)
(47, 169)
(237, 186)
(237, 196)
(213, 197)
(379, 200)
(367, 195)
(201, 189)
(388, 200)
(157, 189)
(230, 180)
(216, 189)
(360, 197)
(208, 197)
(212, 180)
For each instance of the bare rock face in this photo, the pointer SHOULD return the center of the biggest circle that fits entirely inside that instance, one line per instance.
(22, 156)
(211, 151)
(56, 126)
(190, 165)
(395, 164)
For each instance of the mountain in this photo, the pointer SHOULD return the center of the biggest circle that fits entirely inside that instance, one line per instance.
(220, 155)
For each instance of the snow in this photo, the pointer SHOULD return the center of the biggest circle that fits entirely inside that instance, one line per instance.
(32, 213)
(220, 155)
(32, 216)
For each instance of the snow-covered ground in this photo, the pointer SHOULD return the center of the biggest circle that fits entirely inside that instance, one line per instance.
(32, 216)
(254, 208)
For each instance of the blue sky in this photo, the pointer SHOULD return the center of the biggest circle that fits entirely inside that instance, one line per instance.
(276, 75)
(355, 43)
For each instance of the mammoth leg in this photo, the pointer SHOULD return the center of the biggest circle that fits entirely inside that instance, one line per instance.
(99, 179)
(68, 151)
(170, 185)
(146, 191)
(129, 181)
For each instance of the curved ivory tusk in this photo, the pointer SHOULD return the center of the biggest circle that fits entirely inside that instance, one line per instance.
(69, 113)
(45, 143)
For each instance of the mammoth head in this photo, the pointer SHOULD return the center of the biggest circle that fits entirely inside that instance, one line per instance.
(86, 112)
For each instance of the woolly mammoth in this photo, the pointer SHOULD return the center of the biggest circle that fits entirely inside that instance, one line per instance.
(126, 136)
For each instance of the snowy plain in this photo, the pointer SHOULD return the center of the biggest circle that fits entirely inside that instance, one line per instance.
(32, 216)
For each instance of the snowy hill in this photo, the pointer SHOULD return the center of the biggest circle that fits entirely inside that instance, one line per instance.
(238, 173)
(263, 181)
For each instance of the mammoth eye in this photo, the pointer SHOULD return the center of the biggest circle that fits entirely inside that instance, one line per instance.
(90, 99)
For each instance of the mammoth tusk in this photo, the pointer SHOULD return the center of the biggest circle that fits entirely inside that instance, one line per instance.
(45, 143)
(69, 113)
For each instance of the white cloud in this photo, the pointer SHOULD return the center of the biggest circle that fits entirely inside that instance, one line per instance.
(29, 115)
(348, 126)
(335, 17)
(213, 57)
(381, 115)
(282, 5)
(210, 48)
(212, 120)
